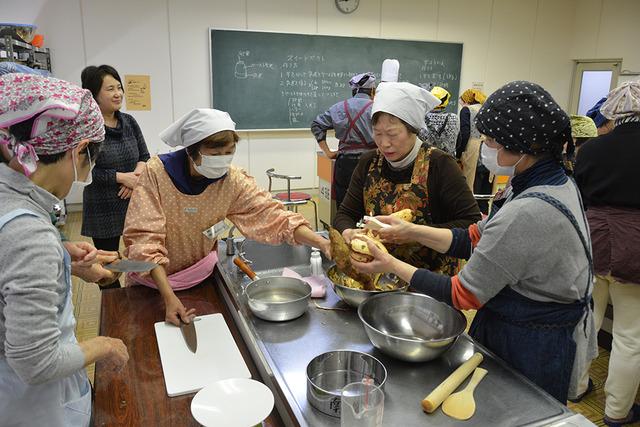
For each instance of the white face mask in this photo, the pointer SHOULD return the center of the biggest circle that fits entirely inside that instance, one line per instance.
(89, 180)
(213, 167)
(490, 161)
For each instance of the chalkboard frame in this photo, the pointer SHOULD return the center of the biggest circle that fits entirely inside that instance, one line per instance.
(303, 129)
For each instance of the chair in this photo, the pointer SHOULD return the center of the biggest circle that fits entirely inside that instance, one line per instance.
(292, 198)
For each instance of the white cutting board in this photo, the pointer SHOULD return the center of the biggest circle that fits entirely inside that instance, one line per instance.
(217, 357)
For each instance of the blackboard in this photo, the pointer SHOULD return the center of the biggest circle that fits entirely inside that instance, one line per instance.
(271, 80)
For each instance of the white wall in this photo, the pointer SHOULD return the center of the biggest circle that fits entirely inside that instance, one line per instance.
(503, 40)
(608, 29)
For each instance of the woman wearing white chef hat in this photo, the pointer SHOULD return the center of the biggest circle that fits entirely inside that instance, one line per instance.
(182, 195)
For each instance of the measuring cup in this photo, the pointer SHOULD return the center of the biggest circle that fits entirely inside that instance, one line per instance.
(361, 405)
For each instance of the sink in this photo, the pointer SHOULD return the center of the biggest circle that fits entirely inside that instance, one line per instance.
(268, 260)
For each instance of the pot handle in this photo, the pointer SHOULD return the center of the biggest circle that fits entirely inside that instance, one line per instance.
(245, 268)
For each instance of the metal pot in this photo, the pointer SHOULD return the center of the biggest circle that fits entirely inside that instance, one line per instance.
(329, 372)
(354, 297)
(411, 327)
(276, 299)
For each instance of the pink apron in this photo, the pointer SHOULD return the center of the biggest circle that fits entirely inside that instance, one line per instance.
(185, 279)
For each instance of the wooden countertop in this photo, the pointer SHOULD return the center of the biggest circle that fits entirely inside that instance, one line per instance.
(136, 396)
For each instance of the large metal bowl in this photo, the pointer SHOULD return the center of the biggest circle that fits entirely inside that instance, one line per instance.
(354, 297)
(409, 326)
(328, 373)
(278, 299)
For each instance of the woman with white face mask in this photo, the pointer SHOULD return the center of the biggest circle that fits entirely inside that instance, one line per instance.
(183, 194)
(529, 269)
(53, 129)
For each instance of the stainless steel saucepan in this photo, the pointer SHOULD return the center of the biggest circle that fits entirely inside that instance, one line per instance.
(276, 299)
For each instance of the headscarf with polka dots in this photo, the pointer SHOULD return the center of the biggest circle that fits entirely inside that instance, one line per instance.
(523, 117)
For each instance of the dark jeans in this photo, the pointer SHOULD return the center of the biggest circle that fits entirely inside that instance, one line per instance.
(343, 169)
(110, 244)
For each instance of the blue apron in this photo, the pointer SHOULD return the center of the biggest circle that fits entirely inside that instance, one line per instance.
(534, 337)
(64, 402)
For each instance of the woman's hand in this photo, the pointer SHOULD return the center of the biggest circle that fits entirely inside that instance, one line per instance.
(400, 231)
(82, 253)
(349, 233)
(176, 312)
(110, 351)
(325, 247)
(95, 273)
(128, 179)
(382, 261)
(117, 355)
(125, 192)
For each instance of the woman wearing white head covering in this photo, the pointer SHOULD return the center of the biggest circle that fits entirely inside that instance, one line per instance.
(607, 173)
(404, 173)
(183, 194)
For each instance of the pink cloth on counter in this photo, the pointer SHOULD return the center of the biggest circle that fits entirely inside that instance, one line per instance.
(185, 279)
(317, 283)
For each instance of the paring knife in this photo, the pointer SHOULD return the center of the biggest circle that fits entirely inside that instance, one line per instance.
(189, 334)
(373, 223)
(130, 266)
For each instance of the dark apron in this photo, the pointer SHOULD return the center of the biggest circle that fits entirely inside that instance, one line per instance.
(348, 158)
(534, 337)
(383, 197)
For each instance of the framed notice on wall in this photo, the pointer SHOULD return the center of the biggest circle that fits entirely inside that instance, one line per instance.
(137, 92)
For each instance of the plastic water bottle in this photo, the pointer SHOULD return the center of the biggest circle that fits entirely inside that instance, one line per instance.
(316, 263)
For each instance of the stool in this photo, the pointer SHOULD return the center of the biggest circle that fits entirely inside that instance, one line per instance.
(292, 198)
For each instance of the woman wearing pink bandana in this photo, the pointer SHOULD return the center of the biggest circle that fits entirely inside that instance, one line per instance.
(53, 130)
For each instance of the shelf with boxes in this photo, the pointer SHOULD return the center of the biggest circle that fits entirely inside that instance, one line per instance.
(24, 53)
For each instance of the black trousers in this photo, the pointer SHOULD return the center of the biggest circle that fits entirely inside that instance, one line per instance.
(343, 169)
(110, 244)
(482, 185)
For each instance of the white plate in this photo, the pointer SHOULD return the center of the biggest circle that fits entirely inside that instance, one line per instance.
(236, 402)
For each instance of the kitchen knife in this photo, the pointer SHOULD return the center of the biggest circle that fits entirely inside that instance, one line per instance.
(130, 266)
(189, 334)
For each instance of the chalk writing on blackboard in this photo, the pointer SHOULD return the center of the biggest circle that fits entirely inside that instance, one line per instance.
(271, 80)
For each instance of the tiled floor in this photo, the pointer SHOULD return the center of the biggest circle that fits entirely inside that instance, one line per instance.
(86, 299)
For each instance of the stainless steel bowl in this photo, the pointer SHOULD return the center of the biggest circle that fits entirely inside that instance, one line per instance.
(329, 372)
(278, 299)
(354, 297)
(409, 326)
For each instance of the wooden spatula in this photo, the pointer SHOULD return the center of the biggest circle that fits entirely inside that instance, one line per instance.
(461, 405)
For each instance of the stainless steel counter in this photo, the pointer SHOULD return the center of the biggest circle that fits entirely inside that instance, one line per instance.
(282, 351)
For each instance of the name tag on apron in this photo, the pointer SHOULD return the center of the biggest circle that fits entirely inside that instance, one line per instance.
(191, 210)
(216, 230)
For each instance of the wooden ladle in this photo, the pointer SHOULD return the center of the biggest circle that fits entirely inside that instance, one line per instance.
(461, 405)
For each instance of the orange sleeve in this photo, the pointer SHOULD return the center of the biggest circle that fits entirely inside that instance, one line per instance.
(461, 297)
(474, 235)
(145, 224)
(259, 217)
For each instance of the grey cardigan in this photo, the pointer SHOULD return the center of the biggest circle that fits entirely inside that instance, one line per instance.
(32, 285)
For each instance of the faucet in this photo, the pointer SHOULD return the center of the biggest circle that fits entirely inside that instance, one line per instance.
(231, 247)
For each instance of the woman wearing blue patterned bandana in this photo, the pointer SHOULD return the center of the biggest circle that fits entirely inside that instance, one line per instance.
(529, 272)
